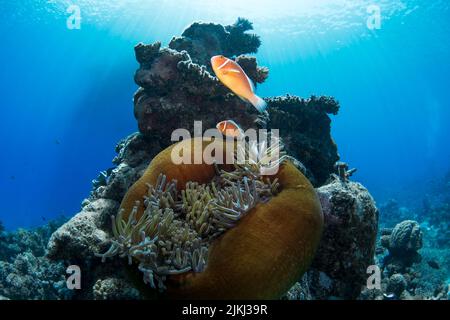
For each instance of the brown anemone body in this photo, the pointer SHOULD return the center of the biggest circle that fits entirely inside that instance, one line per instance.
(264, 254)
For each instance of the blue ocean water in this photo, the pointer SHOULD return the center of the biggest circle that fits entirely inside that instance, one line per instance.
(66, 94)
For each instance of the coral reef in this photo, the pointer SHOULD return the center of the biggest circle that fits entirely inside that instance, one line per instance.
(114, 289)
(304, 126)
(411, 277)
(300, 290)
(397, 284)
(77, 241)
(172, 235)
(177, 80)
(431, 210)
(402, 242)
(413, 251)
(406, 237)
(30, 277)
(338, 199)
(86, 229)
(435, 212)
(346, 199)
(35, 240)
(391, 212)
(249, 65)
(348, 244)
(417, 250)
(176, 88)
(204, 40)
(25, 271)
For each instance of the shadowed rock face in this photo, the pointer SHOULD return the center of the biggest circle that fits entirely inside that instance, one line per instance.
(305, 129)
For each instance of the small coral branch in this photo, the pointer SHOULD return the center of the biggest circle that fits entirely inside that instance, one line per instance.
(343, 171)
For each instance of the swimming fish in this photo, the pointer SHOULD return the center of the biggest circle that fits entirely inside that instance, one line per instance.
(230, 128)
(231, 75)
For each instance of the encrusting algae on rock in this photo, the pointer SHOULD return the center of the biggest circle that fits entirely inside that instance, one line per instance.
(172, 226)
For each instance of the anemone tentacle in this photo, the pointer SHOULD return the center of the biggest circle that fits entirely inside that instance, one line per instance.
(173, 234)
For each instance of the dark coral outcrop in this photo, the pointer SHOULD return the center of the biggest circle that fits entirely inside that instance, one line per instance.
(305, 127)
(204, 40)
(175, 92)
(25, 271)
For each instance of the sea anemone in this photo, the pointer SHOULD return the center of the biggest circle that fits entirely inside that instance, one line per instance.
(176, 220)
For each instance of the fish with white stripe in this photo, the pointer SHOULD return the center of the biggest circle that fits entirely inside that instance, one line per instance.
(232, 76)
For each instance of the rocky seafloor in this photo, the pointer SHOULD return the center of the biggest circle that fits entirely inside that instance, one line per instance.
(177, 87)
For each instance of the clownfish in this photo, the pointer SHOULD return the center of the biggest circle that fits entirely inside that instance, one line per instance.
(230, 128)
(232, 76)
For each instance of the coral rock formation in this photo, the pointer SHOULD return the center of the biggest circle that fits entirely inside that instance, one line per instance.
(172, 85)
(85, 232)
(178, 80)
(397, 284)
(114, 289)
(25, 271)
(348, 243)
(406, 237)
(204, 40)
(403, 242)
(239, 261)
(176, 88)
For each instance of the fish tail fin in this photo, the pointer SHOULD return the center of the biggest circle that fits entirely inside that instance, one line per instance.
(258, 103)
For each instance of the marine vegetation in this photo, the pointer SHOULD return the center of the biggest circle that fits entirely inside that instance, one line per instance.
(171, 229)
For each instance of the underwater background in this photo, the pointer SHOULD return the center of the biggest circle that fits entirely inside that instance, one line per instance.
(67, 94)
(66, 97)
